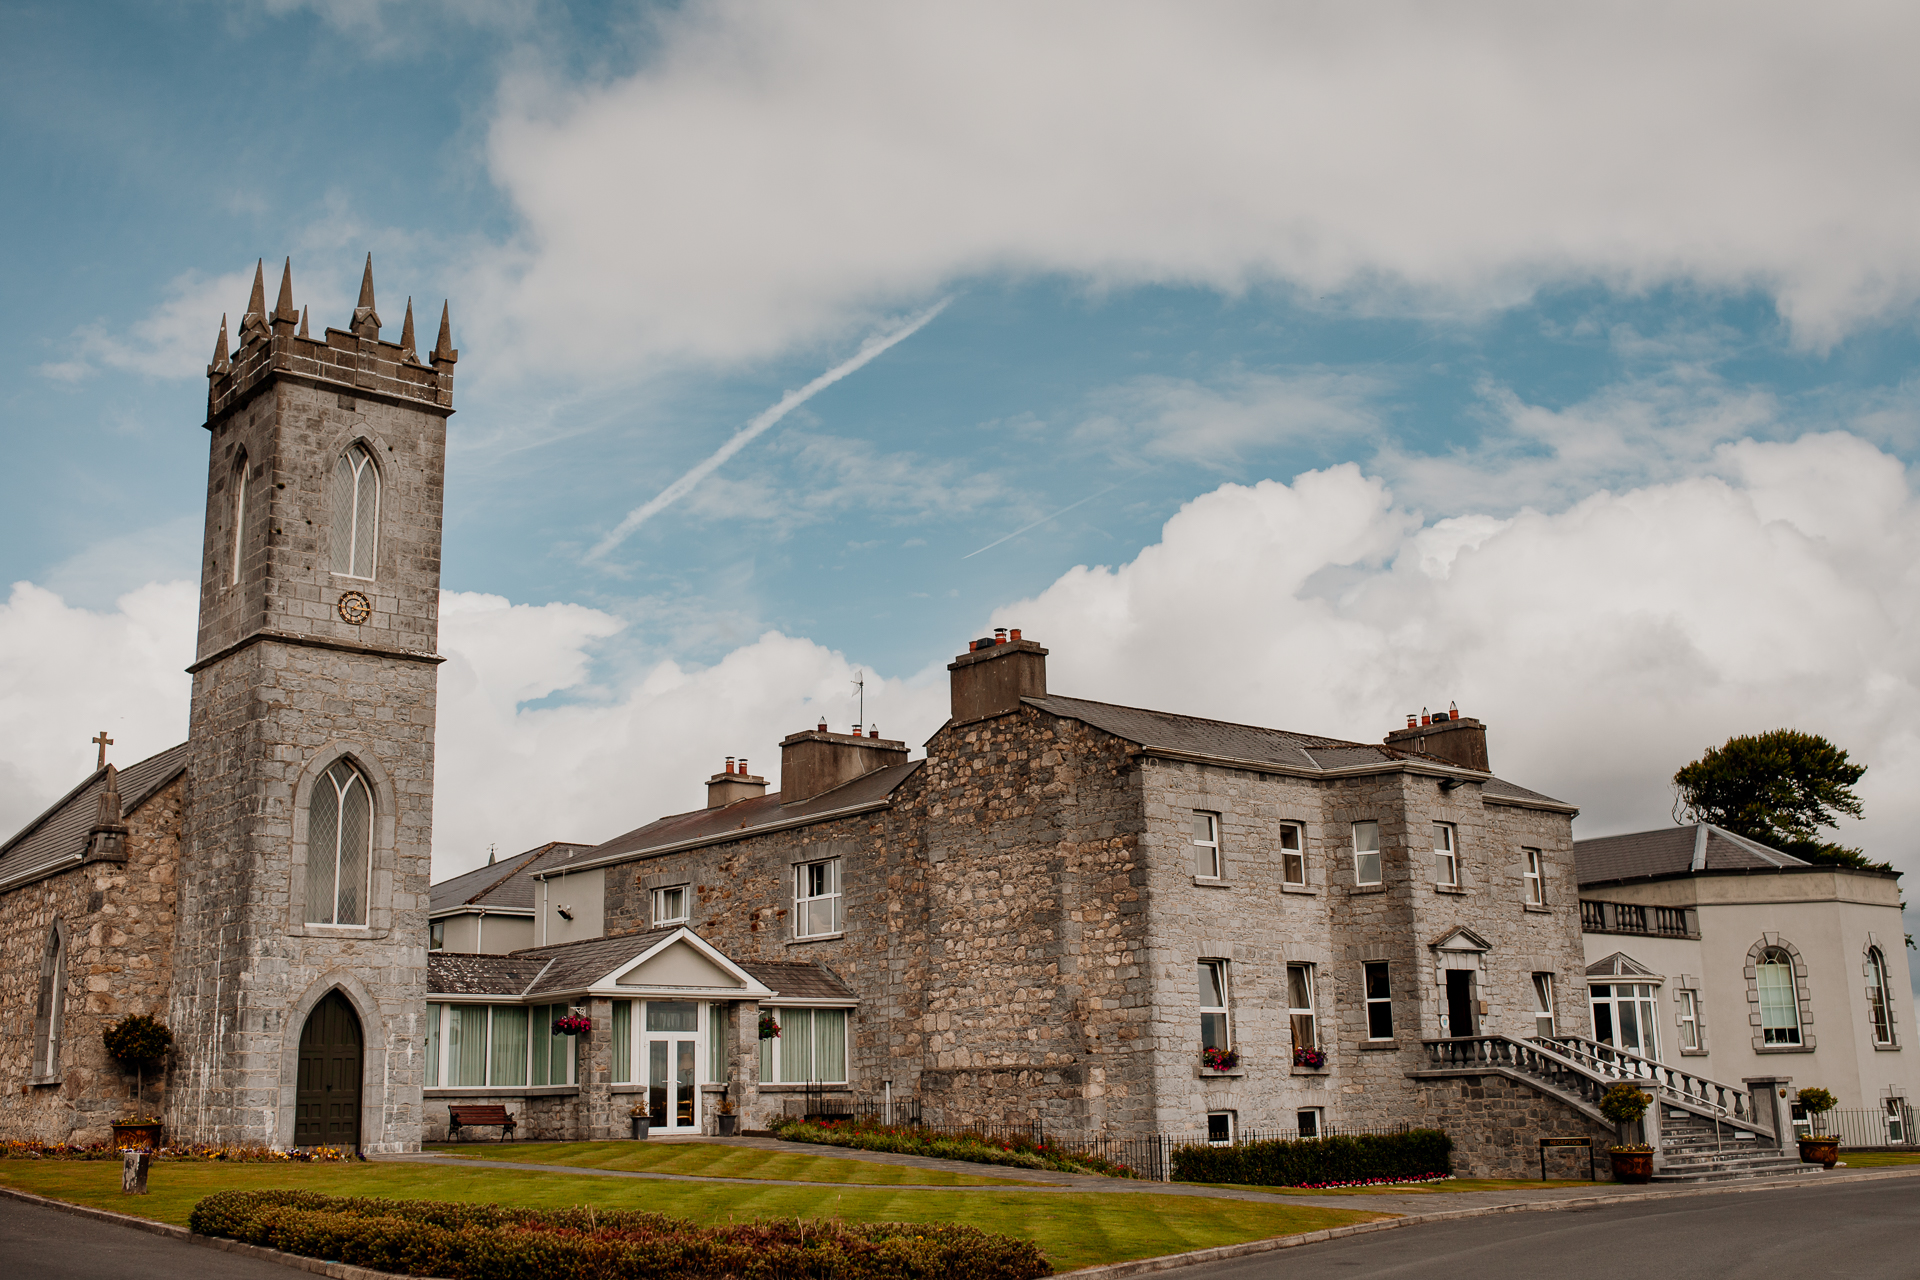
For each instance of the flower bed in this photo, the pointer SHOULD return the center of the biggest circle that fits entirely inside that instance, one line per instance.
(15, 1150)
(1340, 1160)
(1019, 1153)
(493, 1242)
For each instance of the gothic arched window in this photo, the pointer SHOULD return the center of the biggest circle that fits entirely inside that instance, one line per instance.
(1779, 997)
(356, 513)
(239, 516)
(49, 1010)
(339, 845)
(1879, 997)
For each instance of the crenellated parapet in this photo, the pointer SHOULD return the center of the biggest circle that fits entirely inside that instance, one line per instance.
(355, 360)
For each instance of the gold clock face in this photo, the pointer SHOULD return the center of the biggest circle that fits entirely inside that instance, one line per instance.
(355, 607)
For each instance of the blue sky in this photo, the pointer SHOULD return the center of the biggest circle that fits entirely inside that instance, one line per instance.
(1591, 334)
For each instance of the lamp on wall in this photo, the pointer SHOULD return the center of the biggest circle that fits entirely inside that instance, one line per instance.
(566, 913)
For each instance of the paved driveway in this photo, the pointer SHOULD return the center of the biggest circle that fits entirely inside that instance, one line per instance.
(1865, 1229)
(46, 1244)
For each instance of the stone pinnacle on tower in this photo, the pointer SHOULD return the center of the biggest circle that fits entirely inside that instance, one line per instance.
(220, 362)
(443, 352)
(366, 321)
(303, 322)
(254, 323)
(284, 315)
(406, 336)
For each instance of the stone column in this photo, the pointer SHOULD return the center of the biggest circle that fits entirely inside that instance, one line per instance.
(1770, 1105)
(597, 1120)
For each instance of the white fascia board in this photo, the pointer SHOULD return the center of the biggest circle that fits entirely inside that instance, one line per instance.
(750, 987)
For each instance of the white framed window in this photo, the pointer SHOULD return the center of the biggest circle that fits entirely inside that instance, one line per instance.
(1366, 853)
(356, 513)
(670, 905)
(1898, 1127)
(1446, 859)
(1624, 1016)
(1543, 1005)
(339, 847)
(1220, 1127)
(1307, 1122)
(816, 898)
(1689, 1018)
(1879, 997)
(719, 1041)
(1379, 995)
(437, 935)
(810, 1049)
(1293, 854)
(1206, 845)
(1779, 998)
(498, 1046)
(1215, 1030)
(1534, 884)
(1300, 1007)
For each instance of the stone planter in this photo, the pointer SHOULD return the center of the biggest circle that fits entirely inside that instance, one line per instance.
(1632, 1166)
(1822, 1150)
(728, 1125)
(136, 1137)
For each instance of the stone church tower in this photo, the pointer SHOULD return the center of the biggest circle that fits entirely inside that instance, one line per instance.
(299, 944)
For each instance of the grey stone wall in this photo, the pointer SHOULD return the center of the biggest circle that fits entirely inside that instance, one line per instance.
(1496, 1124)
(119, 920)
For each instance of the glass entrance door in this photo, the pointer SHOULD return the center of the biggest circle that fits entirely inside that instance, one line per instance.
(1624, 1016)
(673, 1090)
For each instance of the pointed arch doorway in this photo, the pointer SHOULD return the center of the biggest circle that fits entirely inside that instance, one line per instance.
(327, 1098)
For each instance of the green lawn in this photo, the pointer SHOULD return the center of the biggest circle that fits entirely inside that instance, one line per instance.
(716, 1160)
(1075, 1229)
(1877, 1159)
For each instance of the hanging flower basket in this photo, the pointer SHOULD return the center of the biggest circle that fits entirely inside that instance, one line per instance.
(573, 1024)
(1313, 1058)
(1219, 1059)
(769, 1029)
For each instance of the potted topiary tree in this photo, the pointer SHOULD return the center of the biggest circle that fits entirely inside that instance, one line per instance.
(723, 1113)
(1818, 1147)
(138, 1041)
(1625, 1104)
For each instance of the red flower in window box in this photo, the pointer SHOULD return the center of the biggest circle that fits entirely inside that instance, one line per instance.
(573, 1024)
(1314, 1058)
(1219, 1059)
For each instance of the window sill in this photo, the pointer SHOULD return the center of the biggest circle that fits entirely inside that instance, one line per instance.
(1450, 888)
(816, 937)
(1311, 1071)
(1377, 1046)
(311, 930)
(1366, 888)
(1300, 888)
(503, 1091)
(1886, 1048)
(37, 1082)
(821, 1087)
(670, 924)
(1695, 1053)
(1537, 908)
(1208, 1073)
(1783, 1048)
(1213, 882)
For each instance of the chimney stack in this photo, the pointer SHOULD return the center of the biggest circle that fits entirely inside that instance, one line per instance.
(734, 784)
(816, 761)
(991, 677)
(1446, 736)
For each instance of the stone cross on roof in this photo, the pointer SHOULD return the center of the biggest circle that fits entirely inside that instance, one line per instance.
(104, 741)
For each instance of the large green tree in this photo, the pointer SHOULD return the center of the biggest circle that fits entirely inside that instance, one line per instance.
(1780, 788)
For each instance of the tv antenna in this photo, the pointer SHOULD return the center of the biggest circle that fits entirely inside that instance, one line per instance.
(860, 687)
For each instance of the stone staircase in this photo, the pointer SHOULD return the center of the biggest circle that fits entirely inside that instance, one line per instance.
(1692, 1149)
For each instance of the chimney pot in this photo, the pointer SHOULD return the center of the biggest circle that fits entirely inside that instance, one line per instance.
(873, 731)
(823, 726)
(999, 635)
(1424, 717)
(1015, 634)
(743, 764)
(1413, 721)
(1453, 711)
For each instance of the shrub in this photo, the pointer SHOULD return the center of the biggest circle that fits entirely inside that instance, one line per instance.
(137, 1040)
(1624, 1103)
(1303, 1162)
(493, 1242)
(1018, 1153)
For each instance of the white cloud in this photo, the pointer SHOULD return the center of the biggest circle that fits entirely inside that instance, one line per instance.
(1218, 423)
(774, 174)
(1606, 643)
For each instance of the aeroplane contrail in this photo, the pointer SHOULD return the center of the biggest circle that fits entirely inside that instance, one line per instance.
(1042, 520)
(679, 489)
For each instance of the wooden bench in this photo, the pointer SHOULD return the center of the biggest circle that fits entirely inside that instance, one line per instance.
(1593, 1173)
(460, 1117)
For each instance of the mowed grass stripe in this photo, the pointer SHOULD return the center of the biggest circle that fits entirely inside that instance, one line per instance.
(1076, 1230)
(719, 1160)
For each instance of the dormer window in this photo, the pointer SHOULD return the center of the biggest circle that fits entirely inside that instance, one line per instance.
(356, 513)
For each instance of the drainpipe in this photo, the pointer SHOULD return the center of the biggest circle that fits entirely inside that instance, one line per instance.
(480, 933)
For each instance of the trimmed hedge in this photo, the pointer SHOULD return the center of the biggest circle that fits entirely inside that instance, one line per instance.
(1306, 1162)
(1014, 1152)
(494, 1242)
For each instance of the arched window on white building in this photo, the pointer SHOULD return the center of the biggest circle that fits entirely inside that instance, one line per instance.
(1779, 998)
(1879, 997)
(356, 513)
(339, 847)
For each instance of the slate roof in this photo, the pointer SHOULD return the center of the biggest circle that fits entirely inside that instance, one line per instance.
(568, 967)
(1196, 736)
(58, 837)
(507, 884)
(1669, 851)
(743, 817)
(1619, 965)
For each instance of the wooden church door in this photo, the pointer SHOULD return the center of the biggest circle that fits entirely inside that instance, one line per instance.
(327, 1101)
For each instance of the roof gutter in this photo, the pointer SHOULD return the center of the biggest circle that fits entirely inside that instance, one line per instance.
(724, 837)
